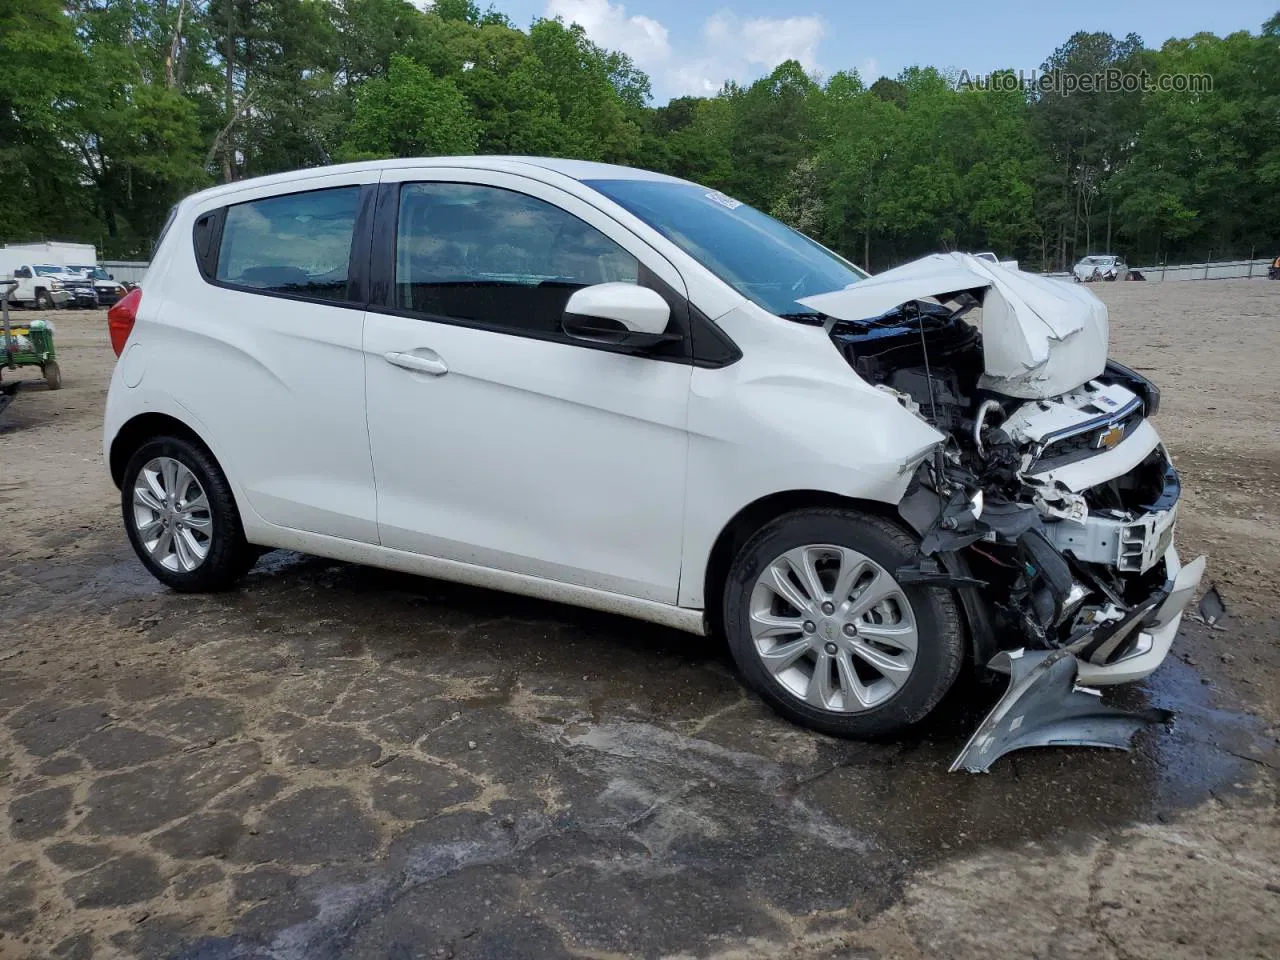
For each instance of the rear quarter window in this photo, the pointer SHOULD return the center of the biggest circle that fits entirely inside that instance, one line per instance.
(298, 244)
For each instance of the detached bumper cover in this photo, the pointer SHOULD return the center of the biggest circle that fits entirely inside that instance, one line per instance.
(1050, 700)
(1045, 706)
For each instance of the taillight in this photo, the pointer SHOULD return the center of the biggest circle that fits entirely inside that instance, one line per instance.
(120, 319)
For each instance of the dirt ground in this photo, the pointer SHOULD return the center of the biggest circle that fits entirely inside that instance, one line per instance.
(336, 762)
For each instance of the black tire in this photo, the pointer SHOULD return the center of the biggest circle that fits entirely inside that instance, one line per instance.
(53, 375)
(230, 556)
(44, 300)
(940, 650)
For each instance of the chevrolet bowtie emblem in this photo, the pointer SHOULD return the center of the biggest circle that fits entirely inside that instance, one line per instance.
(1111, 437)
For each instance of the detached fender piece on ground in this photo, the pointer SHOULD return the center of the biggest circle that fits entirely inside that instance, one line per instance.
(1045, 707)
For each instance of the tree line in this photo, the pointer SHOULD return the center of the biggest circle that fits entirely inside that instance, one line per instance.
(112, 110)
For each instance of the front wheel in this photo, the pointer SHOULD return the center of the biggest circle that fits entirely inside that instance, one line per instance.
(824, 632)
(53, 375)
(181, 517)
(44, 300)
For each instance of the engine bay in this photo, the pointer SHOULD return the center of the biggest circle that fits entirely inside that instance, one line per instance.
(1062, 508)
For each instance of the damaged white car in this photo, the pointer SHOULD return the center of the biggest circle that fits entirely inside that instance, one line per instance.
(624, 391)
(1100, 267)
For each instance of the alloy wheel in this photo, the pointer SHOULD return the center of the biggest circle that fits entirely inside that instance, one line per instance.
(833, 628)
(171, 515)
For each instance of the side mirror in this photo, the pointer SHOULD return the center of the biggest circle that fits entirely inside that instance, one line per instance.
(622, 314)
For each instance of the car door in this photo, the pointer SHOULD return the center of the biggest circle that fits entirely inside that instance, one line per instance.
(24, 291)
(498, 440)
(263, 343)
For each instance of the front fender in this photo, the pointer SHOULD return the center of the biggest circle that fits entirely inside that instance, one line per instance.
(791, 415)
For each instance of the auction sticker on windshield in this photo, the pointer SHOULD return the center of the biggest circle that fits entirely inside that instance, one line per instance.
(724, 200)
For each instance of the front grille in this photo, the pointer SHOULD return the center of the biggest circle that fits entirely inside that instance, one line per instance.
(1085, 441)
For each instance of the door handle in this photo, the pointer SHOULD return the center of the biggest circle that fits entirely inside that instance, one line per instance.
(417, 363)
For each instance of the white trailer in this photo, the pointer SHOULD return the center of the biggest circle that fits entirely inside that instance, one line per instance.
(57, 253)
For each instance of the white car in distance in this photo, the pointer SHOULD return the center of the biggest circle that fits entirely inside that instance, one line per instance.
(1100, 267)
(621, 390)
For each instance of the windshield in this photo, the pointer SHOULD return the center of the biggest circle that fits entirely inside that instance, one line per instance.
(47, 270)
(755, 254)
(1097, 261)
(97, 273)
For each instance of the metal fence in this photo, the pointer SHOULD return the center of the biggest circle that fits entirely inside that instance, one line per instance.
(131, 270)
(1208, 270)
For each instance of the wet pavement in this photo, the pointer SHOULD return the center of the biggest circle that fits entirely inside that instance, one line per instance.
(336, 761)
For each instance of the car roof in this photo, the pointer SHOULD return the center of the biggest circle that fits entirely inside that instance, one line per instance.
(540, 168)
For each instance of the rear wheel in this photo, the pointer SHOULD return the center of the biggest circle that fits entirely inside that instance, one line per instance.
(824, 632)
(181, 517)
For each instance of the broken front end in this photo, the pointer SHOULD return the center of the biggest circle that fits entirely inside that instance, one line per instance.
(1050, 506)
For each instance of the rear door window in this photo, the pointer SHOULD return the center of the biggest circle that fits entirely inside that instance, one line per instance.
(296, 245)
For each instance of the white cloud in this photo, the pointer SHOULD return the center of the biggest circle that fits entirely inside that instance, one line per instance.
(730, 47)
(643, 39)
(737, 49)
(768, 41)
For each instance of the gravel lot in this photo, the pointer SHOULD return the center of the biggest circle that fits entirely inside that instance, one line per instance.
(338, 762)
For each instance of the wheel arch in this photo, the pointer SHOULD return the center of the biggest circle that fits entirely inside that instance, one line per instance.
(138, 430)
(751, 518)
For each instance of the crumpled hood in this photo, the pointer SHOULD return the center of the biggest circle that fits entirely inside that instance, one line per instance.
(1040, 337)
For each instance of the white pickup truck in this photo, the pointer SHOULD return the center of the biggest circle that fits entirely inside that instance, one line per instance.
(107, 290)
(39, 285)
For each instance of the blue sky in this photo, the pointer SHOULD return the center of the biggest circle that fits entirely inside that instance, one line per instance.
(688, 46)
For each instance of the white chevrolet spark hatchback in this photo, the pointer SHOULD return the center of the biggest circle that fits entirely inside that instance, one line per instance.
(625, 391)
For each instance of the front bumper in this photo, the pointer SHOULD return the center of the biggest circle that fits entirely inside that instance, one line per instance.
(60, 298)
(1051, 700)
(84, 298)
(1146, 642)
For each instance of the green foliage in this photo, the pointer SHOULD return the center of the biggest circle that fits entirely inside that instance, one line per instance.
(42, 65)
(801, 202)
(1207, 166)
(771, 131)
(409, 113)
(110, 112)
